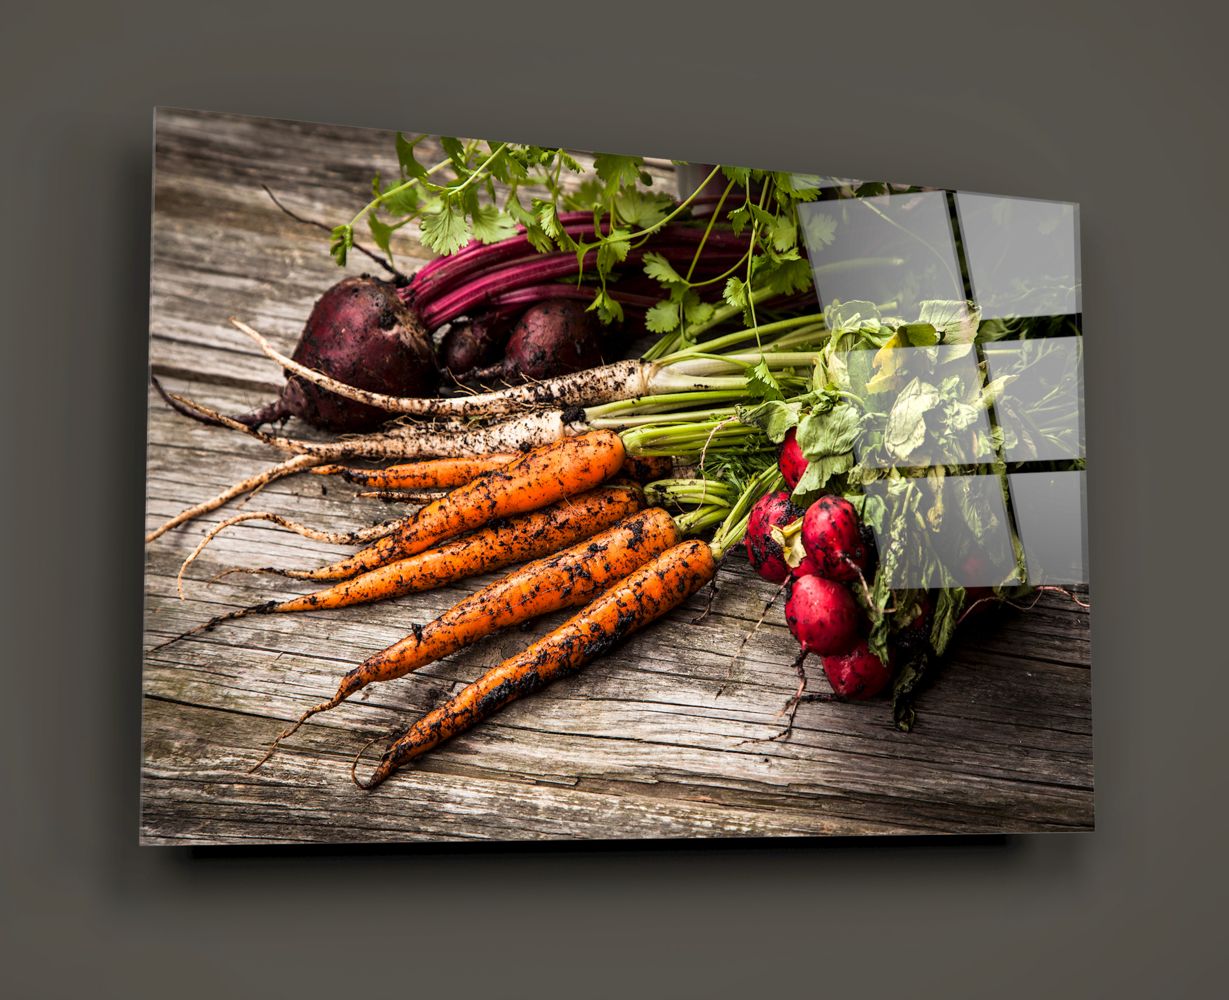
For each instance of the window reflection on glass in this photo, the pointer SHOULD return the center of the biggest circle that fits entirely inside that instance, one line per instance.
(1049, 515)
(1039, 405)
(951, 531)
(922, 406)
(1022, 255)
(895, 250)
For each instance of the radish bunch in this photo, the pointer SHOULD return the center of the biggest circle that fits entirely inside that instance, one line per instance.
(819, 554)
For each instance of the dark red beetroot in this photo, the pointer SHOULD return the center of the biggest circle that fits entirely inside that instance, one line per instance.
(555, 337)
(475, 343)
(791, 461)
(857, 674)
(360, 333)
(763, 551)
(832, 537)
(823, 615)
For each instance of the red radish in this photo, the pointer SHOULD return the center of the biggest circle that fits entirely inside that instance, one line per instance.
(791, 461)
(831, 536)
(763, 551)
(359, 332)
(822, 615)
(857, 673)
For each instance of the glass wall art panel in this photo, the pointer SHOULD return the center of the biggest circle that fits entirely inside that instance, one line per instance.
(504, 492)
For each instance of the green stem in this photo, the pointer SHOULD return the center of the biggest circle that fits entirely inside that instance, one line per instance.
(734, 527)
(656, 404)
(717, 343)
(643, 419)
(712, 219)
(670, 342)
(397, 190)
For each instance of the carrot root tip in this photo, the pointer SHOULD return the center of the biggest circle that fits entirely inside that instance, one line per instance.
(382, 771)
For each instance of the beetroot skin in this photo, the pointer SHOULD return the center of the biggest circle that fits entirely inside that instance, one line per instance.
(763, 551)
(857, 674)
(554, 337)
(832, 537)
(791, 461)
(823, 615)
(360, 333)
(473, 344)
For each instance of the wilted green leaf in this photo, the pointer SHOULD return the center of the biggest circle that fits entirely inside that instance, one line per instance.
(906, 427)
(774, 417)
(340, 241)
(823, 433)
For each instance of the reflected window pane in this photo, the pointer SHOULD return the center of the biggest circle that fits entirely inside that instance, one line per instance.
(1022, 255)
(1040, 408)
(921, 407)
(1049, 511)
(893, 250)
(951, 533)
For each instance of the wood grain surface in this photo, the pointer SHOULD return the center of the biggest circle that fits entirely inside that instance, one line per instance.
(667, 736)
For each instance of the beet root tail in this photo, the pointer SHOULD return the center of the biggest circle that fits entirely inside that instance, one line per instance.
(273, 412)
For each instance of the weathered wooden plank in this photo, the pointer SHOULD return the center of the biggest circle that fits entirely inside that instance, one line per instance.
(665, 737)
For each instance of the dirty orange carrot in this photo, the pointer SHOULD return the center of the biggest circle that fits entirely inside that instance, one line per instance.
(494, 547)
(647, 468)
(542, 476)
(430, 474)
(563, 580)
(444, 473)
(640, 598)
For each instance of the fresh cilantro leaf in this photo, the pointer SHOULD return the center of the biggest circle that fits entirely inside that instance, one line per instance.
(401, 201)
(607, 309)
(790, 277)
(455, 150)
(696, 309)
(736, 294)
(640, 208)
(662, 317)
(739, 175)
(784, 232)
(761, 384)
(447, 230)
(820, 229)
(796, 187)
(657, 267)
(491, 225)
(380, 232)
(410, 167)
(618, 171)
(612, 250)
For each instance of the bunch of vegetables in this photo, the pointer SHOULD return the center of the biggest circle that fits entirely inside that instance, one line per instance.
(602, 479)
